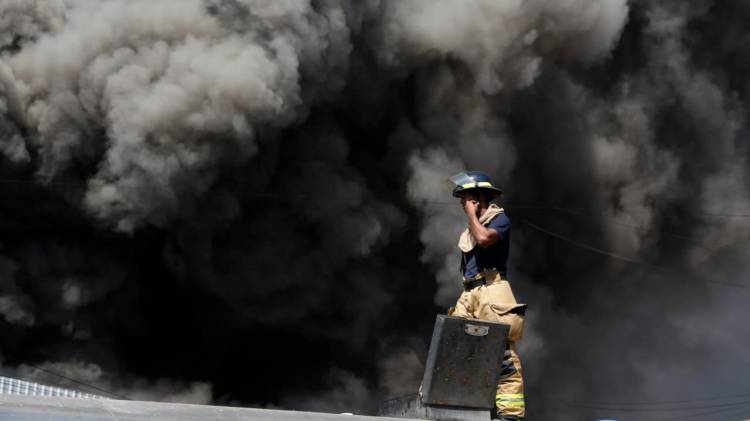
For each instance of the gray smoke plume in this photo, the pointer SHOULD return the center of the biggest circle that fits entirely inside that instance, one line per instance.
(14, 305)
(144, 97)
(258, 190)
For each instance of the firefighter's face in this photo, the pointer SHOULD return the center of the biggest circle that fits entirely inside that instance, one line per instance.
(471, 201)
(469, 196)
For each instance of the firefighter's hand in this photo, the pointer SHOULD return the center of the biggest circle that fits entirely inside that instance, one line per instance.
(471, 206)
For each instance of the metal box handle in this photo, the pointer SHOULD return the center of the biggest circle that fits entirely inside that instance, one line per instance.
(475, 330)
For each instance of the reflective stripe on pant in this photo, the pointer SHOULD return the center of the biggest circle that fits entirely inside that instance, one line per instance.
(509, 399)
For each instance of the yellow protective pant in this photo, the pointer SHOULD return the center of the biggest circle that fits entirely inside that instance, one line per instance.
(495, 302)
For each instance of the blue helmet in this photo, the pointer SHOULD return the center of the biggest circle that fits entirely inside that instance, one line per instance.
(468, 180)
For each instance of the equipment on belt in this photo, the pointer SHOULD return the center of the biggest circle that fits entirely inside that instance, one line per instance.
(468, 180)
(470, 284)
(479, 279)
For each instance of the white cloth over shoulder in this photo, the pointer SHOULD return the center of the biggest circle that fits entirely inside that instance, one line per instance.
(467, 242)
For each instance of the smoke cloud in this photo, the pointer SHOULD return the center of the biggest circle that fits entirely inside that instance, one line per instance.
(246, 201)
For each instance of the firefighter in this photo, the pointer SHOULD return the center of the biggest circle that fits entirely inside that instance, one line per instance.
(486, 292)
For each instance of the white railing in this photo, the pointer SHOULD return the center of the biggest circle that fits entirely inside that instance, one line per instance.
(9, 386)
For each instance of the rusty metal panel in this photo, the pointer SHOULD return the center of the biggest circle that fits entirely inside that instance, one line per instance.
(463, 363)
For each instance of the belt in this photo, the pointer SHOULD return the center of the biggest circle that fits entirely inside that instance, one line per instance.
(480, 279)
(470, 284)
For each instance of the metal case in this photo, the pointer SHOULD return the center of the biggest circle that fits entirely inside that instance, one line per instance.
(463, 364)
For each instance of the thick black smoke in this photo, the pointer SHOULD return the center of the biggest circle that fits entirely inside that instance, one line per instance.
(245, 201)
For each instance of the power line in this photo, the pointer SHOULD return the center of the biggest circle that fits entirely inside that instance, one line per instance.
(616, 222)
(741, 413)
(731, 405)
(729, 411)
(742, 213)
(667, 402)
(42, 183)
(62, 376)
(608, 253)
(728, 407)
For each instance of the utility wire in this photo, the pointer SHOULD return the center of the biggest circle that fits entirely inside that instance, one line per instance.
(744, 412)
(648, 406)
(737, 214)
(78, 382)
(616, 222)
(12, 181)
(728, 411)
(745, 214)
(730, 408)
(731, 405)
(668, 402)
(597, 250)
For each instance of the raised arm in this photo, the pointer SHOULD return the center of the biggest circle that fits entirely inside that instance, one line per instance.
(485, 236)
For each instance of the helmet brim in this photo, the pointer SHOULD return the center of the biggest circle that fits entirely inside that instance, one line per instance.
(458, 191)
